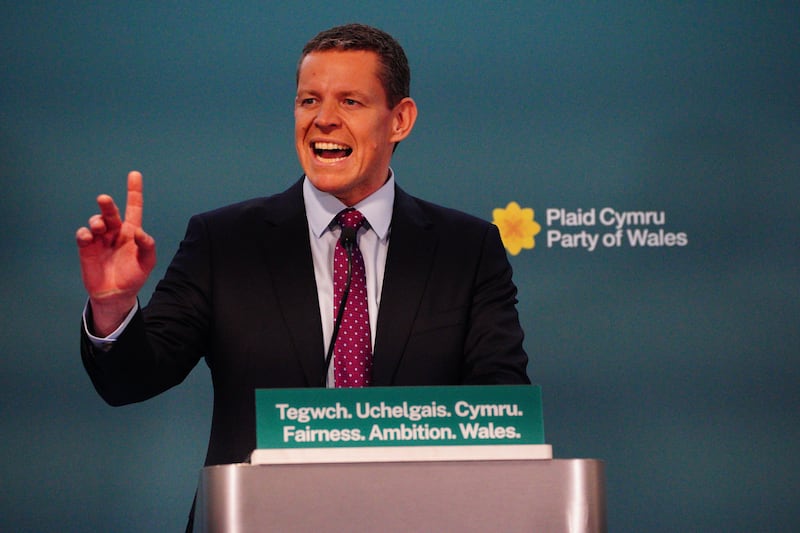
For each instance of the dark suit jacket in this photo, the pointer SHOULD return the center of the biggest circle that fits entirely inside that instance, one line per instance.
(240, 292)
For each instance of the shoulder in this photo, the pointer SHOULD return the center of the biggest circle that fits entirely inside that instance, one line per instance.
(274, 208)
(437, 217)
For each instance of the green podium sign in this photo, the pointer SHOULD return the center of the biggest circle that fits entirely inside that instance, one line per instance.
(411, 423)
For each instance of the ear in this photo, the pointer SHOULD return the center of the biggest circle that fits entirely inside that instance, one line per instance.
(404, 115)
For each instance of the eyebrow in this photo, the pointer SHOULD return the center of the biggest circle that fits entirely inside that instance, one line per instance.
(355, 94)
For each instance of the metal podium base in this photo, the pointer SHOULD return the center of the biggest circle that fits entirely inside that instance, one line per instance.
(530, 495)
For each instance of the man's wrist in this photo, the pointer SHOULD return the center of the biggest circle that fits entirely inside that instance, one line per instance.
(105, 342)
(105, 318)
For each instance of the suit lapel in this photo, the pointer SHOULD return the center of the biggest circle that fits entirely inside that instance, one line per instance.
(408, 263)
(289, 261)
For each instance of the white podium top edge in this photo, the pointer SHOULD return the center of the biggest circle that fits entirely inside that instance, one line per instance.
(393, 454)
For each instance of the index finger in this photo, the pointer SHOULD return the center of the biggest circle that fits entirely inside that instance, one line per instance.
(135, 202)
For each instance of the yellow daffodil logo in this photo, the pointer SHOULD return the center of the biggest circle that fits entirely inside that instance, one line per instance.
(517, 227)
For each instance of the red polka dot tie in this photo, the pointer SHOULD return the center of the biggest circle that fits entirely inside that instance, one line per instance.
(353, 348)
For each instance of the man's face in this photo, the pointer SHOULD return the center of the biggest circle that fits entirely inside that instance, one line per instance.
(343, 127)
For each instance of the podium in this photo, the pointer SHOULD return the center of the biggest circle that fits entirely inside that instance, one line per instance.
(549, 495)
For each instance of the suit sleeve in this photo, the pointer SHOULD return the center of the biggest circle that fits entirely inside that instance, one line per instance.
(493, 349)
(165, 340)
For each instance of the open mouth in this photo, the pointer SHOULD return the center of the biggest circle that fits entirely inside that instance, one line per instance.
(331, 152)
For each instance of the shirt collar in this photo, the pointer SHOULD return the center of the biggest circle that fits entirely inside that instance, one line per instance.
(322, 207)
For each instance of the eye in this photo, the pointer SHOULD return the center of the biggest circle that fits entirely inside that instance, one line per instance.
(350, 102)
(306, 101)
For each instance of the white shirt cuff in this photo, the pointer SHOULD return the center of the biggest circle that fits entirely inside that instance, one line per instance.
(104, 343)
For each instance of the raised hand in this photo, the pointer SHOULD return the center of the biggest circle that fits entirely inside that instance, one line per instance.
(116, 257)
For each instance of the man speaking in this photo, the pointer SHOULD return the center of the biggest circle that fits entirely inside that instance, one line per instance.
(341, 280)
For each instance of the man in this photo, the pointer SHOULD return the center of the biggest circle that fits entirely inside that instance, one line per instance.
(251, 290)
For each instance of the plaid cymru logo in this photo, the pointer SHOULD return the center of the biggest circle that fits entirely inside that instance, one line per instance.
(517, 226)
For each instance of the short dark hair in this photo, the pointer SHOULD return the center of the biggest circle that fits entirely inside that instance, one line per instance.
(395, 75)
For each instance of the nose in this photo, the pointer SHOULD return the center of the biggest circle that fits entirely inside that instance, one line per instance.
(327, 115)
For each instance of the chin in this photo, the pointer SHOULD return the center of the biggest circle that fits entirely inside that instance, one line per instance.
(327, 183)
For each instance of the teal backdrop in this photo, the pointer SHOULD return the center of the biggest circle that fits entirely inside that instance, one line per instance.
(677, 365)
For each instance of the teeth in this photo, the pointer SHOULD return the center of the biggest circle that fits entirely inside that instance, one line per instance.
(329, 146)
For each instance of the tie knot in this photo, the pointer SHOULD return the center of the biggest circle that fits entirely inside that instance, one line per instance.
(350, 218)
